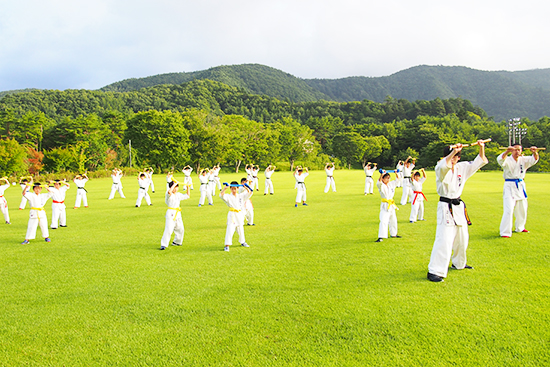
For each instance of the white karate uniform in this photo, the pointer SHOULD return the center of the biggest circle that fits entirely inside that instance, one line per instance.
(399, 174)
(235, 216)
(37, 215)
(216, 172)
(369, 181)
(4, 202)
(301, 186)
(173, 222)
(417, 203)
(268, 182)
(80, 192)
(187, 179)
(248, 208)
(142, 191)
(407, 187)
(330, 179)
(514, 193)
(117, 186)
(254, 182)
(204, 189)
(59, 214)
(451, 236)
(24, 200)
(388, 217)
(211, 184)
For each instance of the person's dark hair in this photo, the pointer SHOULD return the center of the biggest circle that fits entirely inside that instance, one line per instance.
(416, 174)
(171, 183)
(447, 150)
(234, 183)
(385, 175)
(243, 179)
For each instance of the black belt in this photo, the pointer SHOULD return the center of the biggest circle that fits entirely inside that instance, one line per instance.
(456, 201)
(142, 188)
(82, 188)
(406, 176)
(369, 176)
(254, 176)
(206, 183)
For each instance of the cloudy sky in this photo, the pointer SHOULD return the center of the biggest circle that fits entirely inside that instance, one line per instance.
(72, 44)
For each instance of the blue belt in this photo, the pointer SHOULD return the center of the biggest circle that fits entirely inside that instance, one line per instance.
(517, 181)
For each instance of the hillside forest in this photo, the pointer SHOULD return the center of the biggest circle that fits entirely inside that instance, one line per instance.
(203, 122)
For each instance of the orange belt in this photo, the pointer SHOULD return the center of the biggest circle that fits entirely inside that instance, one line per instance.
(58, 202)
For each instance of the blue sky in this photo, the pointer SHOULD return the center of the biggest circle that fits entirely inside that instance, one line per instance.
(73, 44)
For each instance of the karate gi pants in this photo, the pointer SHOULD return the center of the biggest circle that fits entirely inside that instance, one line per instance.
(142, 193)
(388, 221)
(235, 222)
(369, 185)
(172, 225)
(37, 218)
(417, 209)
(301, 194)
(407, 191)
(512, 207)
(330, 183)
(205, 193)
(268, 186)
(115, 188)
(189, 181)
(81, 197)
(450, 240)
(59, 215)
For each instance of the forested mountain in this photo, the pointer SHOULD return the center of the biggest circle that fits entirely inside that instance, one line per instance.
(254, 78)
(501, 94)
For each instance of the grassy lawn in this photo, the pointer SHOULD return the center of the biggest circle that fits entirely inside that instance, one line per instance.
(313, 289)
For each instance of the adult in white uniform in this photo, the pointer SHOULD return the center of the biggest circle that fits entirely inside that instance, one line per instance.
(59, 214)
(255, 182)
(117, 184)
(81, 197)
(451, 235)
(388, 217)
(235, 216)
(4, 185)
(173, 222)
(514, 193)
(204, 179)
(268, 183)
(300, 176)
(417, 203)
(216, 175)
(143, 182)
(187, 173)
(369, 181)
(407, 184)
(37, 215)
(329, 170)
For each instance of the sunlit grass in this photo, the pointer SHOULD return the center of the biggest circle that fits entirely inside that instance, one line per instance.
(313, 288)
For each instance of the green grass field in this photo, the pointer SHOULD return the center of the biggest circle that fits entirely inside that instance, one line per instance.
(313, 289)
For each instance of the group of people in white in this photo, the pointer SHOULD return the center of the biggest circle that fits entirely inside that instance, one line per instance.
(451, 239)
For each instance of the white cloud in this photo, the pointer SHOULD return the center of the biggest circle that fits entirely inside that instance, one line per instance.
(61, 44)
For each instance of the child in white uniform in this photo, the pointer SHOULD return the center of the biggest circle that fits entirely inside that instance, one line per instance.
(143, 182)
(399, 172)
(329, 170)
(187, 173)
(149, 175)
(216, 172)
(117, 184)
(255, 182)
(369, 181)
(173, 222)
(23, 181)
(407, 184)
(37, 215)
(268, 183)
(81, 197)
(248, 207)
(388, 217)
(204, 179)
(300, 176)
(5, 184)
(235, 216)
(59, 215)
(417, 204)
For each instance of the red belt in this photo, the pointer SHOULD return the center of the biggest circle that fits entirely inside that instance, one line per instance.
(58, 202)
(417, 193)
